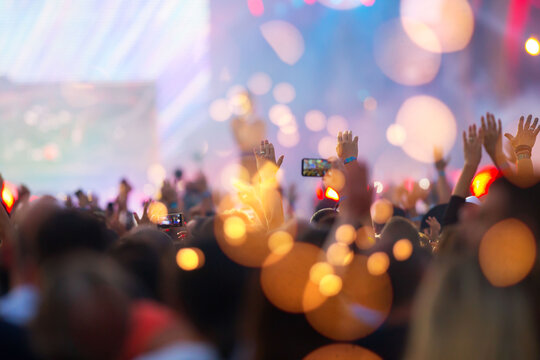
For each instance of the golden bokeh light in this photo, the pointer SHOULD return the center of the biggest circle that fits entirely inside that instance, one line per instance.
(532, 46)
(401, 59)
(251, 250)
(285, 39)
(381, 211)
(157, 211)
(315, 120)
(285, 281)
(365, 237)
(428, 123)
(235, 230)
(219, 110)
(507, 252)
(339, 254)
(330, 285)
(438, 25)
(190, 258)
(402, 249)
(320, 270)
(280, 242)
(358, 309)
(342, 352)
(378, 263)
(346, 234)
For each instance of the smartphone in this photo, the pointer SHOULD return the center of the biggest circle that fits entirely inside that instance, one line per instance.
(172, 221)
(315, 167)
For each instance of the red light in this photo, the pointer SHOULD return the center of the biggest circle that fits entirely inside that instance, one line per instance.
(256, 7)
(483, 180)
(331, 194)
(8, 198)
(320, 193)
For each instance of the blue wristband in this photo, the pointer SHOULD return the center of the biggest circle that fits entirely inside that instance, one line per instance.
(349, 159)
(441, 173)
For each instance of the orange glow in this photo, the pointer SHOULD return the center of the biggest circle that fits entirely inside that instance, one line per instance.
(331, 194)
(235, 230)
(532, 46)
(8, 198)
(284, 282)
(402, 249)
(346, 234)
(339, 254)
(378, 263)
(358, 309)
(381, 211)
(365, 237)
(507, 252)
(320, 270)
(157, 211)
(483, 180)
(330, 285)
(190, 258)
(280, 242)
(342, 352)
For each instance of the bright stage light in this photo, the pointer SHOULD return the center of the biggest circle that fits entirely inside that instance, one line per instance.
(532, 46)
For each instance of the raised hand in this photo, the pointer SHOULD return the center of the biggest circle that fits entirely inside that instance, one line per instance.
(144, 219)
(433, 230)
(440, 162)
(347, 146)
(266, 154)
(472, 146)
(492, 131)
(525, 138)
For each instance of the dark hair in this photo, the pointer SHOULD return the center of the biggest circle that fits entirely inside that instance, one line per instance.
(212, 295)
(70, 230)
(146, 254)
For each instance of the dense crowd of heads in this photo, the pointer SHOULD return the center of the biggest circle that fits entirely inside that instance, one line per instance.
(372, 275)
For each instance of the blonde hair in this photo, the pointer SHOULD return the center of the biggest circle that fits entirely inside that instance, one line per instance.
(458, 314)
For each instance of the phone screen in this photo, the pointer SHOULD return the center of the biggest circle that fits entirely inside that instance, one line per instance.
(314, 167)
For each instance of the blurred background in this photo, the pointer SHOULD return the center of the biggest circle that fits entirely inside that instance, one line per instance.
(92, 91)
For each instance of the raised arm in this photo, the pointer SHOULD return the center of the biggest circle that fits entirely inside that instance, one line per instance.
(472, 149)
(522, 144)
(492, 131)
(267, 168)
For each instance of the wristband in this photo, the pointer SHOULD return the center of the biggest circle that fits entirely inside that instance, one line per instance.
(441, 173)
(349, 159)
(523, 155)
